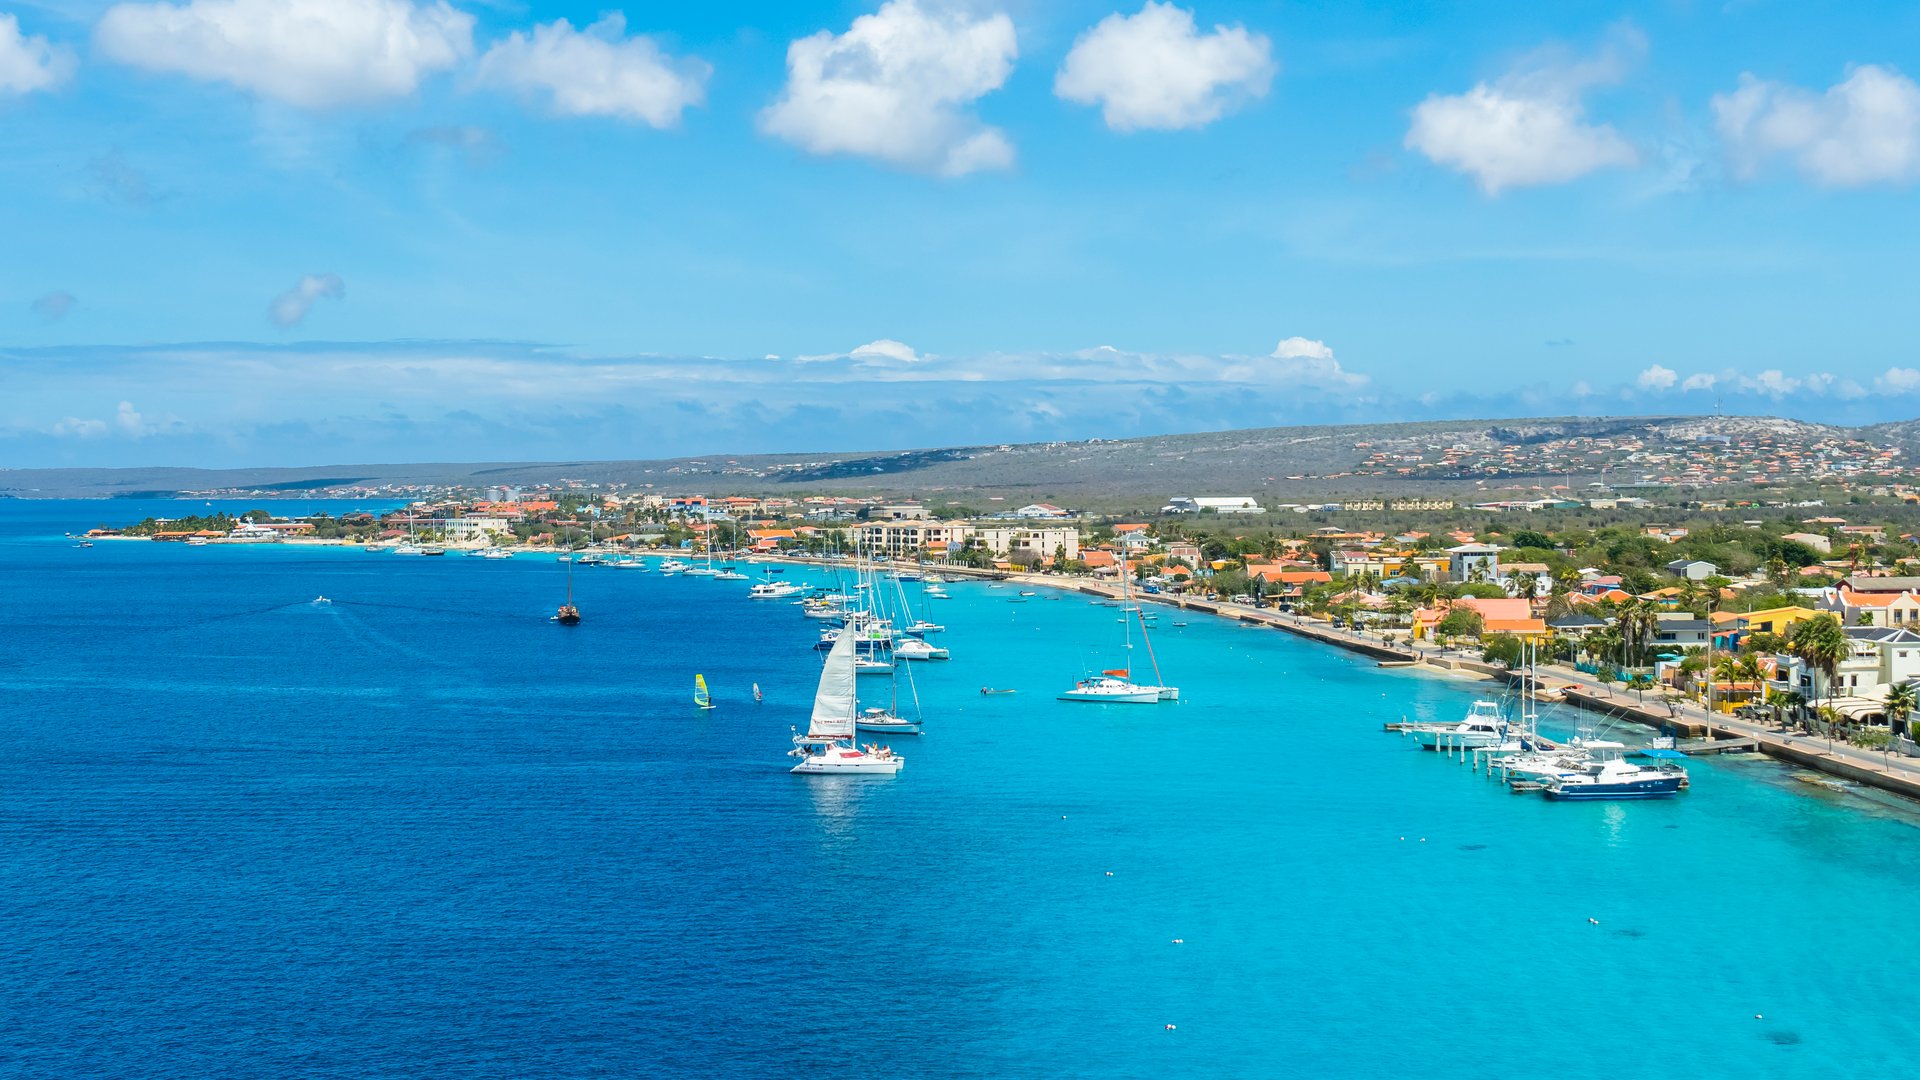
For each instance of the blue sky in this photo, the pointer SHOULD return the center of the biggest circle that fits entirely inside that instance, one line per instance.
(304, 231)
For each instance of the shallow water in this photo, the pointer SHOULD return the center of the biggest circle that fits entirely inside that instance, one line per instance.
(424, 831)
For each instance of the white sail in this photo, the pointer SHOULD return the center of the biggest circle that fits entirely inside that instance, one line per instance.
(833, 704)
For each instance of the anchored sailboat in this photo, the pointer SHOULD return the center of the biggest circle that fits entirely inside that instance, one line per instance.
(1116, 685)
(827, 747)
(569, 615)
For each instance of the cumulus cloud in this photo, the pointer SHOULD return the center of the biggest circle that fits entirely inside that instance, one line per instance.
(895, 87)
(1529, 126)
(1307, 362)
(73, 427)
(598, 71)
(309, 53)
(29, 64)
(54, 306)
(1155, 70)
(1863, 130)
(290, 307)
(127, 422)
(886, 349)
(1657, 377)
(1701, 381)
(1898, 380)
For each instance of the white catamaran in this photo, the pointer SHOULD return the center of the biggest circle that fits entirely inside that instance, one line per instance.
(827, 747)
(1116, 685)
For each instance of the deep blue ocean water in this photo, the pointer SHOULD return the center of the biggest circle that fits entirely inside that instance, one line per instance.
(423, 831)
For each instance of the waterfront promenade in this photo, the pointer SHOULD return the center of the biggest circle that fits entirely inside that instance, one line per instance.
(1885, 770)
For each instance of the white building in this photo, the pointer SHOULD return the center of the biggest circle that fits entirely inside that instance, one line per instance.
(1038, 512)
(1473, 562)
(1692, 569)
(468, 530)
(1041, 541)
(909, 539)
(1235, 504)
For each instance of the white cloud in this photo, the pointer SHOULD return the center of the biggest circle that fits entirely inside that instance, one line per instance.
(127, 422)
(130, 423)
(290, 307)
(895, 87)
(1310, 363)
(74, 427)
(1772, 382)
(309, 53)
(598, 71)
(1155, 70)
(1529, 126)
(886, 349)
(1297, 347)
(1864, 130)
(30, 64)
(1658, 378)
(1898, 380)
(1700, 381)
(1582, 389)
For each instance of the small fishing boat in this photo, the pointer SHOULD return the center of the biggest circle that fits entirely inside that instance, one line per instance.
(321, 600)
(990, 691)
(701, 698)
(1483, 727)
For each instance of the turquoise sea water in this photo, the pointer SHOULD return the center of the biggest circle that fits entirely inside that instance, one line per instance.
(422, 831)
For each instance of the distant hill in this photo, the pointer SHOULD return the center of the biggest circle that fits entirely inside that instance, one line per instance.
(1331, 460)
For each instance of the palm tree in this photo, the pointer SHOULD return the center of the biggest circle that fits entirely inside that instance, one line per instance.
(1636, 621)
(1821, 644)
(1784, 700)
(1901, 701)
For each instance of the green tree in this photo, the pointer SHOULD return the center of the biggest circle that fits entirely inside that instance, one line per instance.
(1462, 622)
(1901, 701)
(1504, 649)
(1821, 644)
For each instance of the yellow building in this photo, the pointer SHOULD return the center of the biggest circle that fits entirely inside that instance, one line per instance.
(1776, 620)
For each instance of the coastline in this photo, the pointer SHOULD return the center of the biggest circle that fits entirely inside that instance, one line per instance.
(1898, 776)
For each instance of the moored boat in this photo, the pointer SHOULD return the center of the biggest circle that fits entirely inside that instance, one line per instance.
(1112, 689)
(1483, 727)
(1616, 778)
(827, 748)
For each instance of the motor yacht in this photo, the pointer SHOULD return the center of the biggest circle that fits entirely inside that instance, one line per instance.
(1483, 727)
